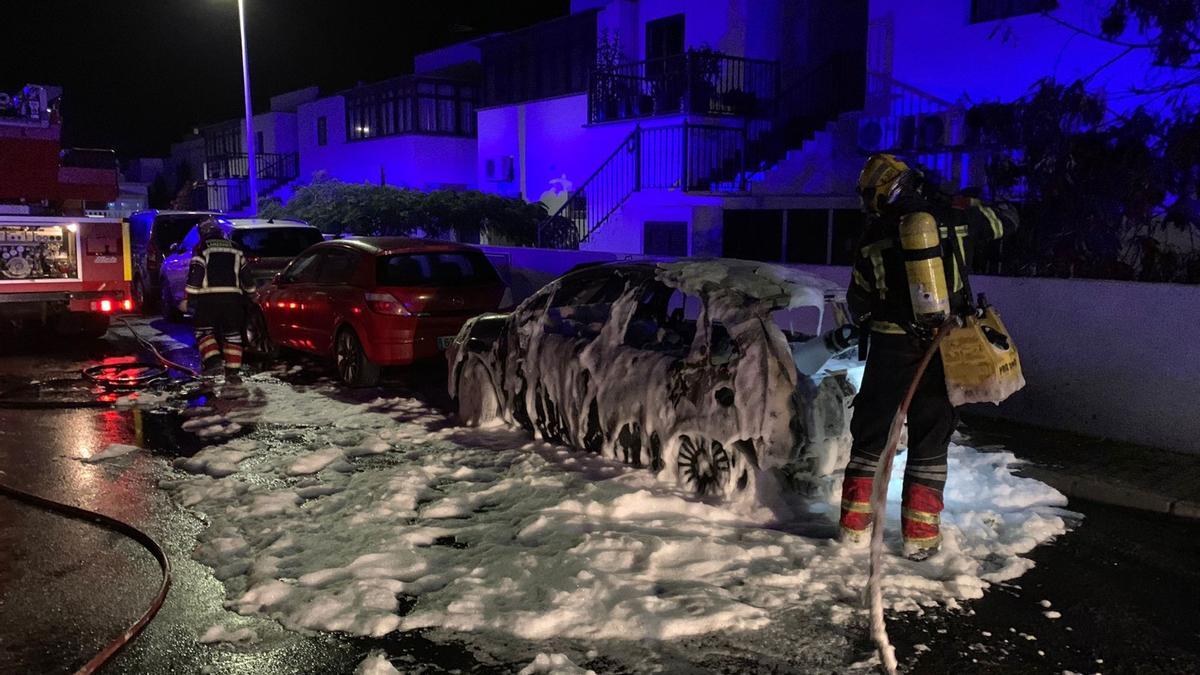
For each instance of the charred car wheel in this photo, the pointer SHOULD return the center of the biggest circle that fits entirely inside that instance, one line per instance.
(704, 466)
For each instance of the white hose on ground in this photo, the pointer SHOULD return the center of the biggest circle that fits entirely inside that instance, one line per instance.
(879, 491)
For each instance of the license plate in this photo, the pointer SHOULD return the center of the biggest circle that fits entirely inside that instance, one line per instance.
(444, 341)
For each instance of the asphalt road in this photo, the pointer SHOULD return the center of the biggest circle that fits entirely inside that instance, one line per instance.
(1127, 586)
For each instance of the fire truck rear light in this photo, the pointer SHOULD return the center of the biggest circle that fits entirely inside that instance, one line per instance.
(127, 305)
(106, 306)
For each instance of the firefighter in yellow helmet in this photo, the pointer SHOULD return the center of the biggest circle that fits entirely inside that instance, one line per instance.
(906, 283)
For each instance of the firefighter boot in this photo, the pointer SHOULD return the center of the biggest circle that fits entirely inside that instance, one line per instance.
(920, 517)
(856, 511)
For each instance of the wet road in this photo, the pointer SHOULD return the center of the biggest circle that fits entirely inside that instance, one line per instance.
(1127, 586)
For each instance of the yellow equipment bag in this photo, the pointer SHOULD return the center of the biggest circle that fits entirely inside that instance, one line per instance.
(981, 361)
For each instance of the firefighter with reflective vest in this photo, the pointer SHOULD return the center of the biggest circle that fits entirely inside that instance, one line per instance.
(217, 286)
(906, 283)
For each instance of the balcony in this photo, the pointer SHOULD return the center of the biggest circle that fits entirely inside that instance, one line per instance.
(281, 167)
(699, 82)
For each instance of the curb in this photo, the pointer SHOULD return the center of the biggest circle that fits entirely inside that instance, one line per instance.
(1114, 494)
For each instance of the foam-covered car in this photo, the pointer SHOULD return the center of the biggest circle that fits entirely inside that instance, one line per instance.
(721, 376)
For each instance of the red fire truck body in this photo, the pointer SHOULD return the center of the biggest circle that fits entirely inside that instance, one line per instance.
(67, 271)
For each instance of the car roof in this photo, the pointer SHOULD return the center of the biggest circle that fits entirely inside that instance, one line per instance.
(383, 245)
(757, 282)
(261, 223)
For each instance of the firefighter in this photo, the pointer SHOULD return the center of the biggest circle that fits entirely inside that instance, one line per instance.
(906, 283)
(217, 286)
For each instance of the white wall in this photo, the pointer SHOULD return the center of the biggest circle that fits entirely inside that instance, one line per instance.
(1112, 359)
(934, 48)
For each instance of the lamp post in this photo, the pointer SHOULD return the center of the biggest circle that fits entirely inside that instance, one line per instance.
(251, 150)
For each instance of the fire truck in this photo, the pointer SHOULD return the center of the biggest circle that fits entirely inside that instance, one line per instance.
(59, 267)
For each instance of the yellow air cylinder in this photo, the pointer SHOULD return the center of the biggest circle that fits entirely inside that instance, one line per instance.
(923, 265)
(981, 361)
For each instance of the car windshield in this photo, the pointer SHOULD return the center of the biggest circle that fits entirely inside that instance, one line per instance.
(459, 268)
(170, 229)
(276, 242)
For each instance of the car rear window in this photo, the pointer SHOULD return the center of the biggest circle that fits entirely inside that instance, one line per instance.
(434, 269)
(169, 230)
(276, 242)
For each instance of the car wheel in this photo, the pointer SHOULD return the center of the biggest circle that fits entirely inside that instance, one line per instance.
(258, 338)
(166, 303)
(138, 291)
(353, 367)
(478, 403)
(704, 466)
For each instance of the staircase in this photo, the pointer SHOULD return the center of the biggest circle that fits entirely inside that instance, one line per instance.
(227, 186)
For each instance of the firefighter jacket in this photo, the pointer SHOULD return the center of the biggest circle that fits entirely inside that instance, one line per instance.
(879, 286)
(218, 266)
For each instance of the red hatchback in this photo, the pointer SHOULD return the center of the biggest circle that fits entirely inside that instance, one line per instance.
(374, 301)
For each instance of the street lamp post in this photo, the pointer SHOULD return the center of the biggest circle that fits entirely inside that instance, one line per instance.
(251, 150)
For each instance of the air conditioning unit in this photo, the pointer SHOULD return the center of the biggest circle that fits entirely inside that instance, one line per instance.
(499, 169)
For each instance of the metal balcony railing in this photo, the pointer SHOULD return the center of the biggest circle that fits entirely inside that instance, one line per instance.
(280, 167)
(698, 81)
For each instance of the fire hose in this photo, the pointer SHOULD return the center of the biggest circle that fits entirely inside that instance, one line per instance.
(116, 376)
(110, 650)
(879, 490)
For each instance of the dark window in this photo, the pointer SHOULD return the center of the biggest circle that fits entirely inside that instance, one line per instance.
(664, 320)
(411, 105)
(303, 269)
(665, 238)
(322, 130)
(337, 267)
(991, 10)
(583, 304)
(434, 269)
(259, 147)
(276, 242)
(664, 37)
(753, 234)
(223, 140)
(808, 236)
(550, 59)
(171, 229)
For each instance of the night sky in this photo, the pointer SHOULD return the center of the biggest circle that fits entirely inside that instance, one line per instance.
(138, 74)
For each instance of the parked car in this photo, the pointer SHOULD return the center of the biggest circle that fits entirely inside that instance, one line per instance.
(269, 246)
(695, 370)
(374, 301)
(152, 234)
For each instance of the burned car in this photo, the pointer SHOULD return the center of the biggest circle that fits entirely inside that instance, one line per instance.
(695, 370)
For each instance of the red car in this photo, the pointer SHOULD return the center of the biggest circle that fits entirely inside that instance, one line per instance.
(374, 301)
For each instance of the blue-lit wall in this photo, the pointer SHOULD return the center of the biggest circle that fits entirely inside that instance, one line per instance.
(934, 47)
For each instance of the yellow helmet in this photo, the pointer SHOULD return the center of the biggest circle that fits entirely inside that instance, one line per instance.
(879, 178)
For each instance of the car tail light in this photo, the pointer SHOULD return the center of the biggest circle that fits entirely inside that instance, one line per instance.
(386, 303)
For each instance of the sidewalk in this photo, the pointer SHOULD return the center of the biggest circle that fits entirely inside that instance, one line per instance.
(1096, 470)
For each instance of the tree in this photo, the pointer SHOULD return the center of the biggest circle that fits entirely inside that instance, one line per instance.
(377, 210)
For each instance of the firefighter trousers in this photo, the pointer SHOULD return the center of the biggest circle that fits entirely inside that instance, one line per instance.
(891, 363)
(219, 321)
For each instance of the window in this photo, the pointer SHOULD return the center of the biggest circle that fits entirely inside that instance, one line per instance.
(550, 59)
(665, 238)
(664, 37)
(258, 142)
(410, 105)
(992, 10)
(583, 304)
(337, 267)
(303, 269)
(664, 320)
(322, 130)
(434, 269)
(276, 242)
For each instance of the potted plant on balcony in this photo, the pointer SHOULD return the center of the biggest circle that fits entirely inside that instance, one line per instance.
(704, 70)
(606, 87)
